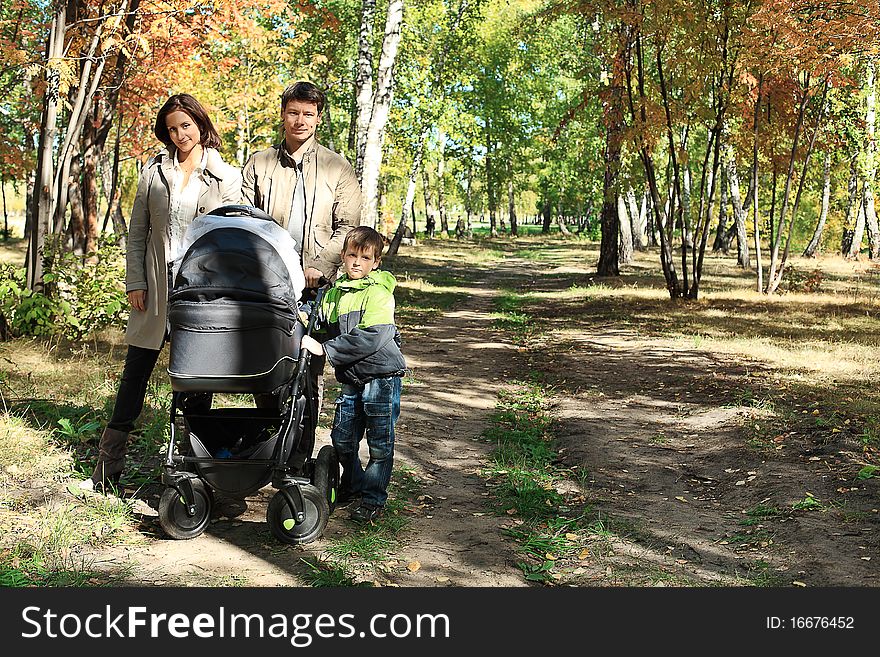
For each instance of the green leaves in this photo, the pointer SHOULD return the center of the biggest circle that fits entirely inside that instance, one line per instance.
(80, 433)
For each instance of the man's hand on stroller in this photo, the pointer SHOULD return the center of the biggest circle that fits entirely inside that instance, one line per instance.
(313, 346)
(313, 277)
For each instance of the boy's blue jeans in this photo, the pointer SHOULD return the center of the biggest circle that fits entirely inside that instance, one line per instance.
(374, 411)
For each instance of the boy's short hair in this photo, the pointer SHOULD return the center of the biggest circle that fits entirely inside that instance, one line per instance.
(305, 92)
(361, 238)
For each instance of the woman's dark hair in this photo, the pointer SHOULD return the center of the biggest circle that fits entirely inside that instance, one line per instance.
(188, 104)
(304, 92)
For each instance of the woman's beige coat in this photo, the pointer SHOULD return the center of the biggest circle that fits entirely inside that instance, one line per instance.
(149, 241)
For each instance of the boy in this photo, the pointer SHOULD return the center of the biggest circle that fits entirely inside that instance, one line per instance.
(363, 346)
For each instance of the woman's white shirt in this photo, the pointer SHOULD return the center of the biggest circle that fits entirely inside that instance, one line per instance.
(184, 203)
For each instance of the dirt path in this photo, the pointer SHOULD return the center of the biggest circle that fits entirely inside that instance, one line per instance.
(451, 533)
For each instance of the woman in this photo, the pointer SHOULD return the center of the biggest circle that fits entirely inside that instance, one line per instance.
(188, 178)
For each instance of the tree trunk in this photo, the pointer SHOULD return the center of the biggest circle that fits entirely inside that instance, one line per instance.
(721, 228)
(80, 107)
(468, 199)
(662, 211)
(379, 115)
(612, 121)
(739, 214)
(110, 175)
(852, 208)
(90, 202)
(77, 214)
(816, 240)
(625, 251)
(756, 221)
(546, 217)
(43, 198)
(637, 220)
(511, 208)
(560, 221)
(686, 219)
(650, 223)
(430, 220)
(407, 206)
(871, 164)
(363, 84)
(441, 197)
(707, 195)
(858, 233)
(871, 225)
(5, 214)
(776, 238)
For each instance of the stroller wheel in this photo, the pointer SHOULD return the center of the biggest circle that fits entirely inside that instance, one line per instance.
(173, 516)
(326, 478)
(281, 519)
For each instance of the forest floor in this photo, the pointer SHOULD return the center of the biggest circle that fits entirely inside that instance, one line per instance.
(731, 441)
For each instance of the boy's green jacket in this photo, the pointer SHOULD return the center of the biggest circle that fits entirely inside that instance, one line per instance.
(362, 343)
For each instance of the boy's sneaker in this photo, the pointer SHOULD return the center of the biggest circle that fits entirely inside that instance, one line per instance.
(366, 512)
(345, 496)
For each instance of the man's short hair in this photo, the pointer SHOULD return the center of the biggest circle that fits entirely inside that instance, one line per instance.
(304, 92)
(361, 238)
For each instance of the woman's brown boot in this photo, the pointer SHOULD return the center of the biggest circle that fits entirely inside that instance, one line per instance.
(111, 460)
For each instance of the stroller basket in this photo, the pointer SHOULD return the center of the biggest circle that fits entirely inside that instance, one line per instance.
(235, 443)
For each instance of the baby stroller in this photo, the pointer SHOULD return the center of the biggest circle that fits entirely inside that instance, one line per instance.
(236, 328)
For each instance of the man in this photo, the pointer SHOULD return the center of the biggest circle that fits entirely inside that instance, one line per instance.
(313, 193)
(307, 188)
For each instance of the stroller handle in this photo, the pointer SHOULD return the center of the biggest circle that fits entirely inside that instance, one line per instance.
(313, 316)
(240, 211)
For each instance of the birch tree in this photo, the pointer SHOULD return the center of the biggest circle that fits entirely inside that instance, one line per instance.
(379, 110)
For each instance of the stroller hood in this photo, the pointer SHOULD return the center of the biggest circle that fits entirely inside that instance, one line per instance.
(238, 252)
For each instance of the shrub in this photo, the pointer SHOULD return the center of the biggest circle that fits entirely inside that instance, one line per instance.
(801, 281)
(80, 295)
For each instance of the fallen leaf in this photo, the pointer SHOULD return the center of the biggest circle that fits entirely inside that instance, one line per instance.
(413, 566)
(681, 499)
(584, 554)
(442, 579)
(550, 556)
(571, 537)
(797, 583)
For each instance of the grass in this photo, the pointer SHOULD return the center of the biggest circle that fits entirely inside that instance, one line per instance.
(555, 526)
(762, 513)
(809, 503)
(360, 553)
